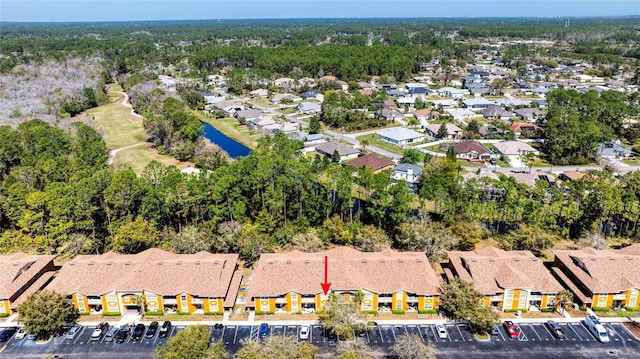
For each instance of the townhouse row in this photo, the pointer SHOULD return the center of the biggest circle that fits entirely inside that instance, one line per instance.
(289, 282)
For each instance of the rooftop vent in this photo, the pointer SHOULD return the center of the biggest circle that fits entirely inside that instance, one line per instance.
(418, 260)
(381, 260)
(400, 260)
(127, 263)
(306, 261)
(363, 261)
(288, 261)
(161, 263)
(216, 262)
(198, 263)
(179, 263)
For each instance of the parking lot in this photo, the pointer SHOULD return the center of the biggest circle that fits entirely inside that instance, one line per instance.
(381, 336)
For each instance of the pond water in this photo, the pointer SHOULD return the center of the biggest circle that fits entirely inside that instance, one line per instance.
(231, 146)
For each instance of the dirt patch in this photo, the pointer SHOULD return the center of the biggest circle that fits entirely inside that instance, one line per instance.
(634, 328)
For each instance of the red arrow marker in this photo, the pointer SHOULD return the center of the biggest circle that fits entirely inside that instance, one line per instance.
(326, 286)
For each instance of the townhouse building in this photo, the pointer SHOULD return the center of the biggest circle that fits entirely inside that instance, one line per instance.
(389, 280)
(601, 278)
(21, 275)
(510, 280)
(112, 283)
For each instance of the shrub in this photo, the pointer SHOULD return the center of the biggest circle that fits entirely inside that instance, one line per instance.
(4, 315)
(515, 310)
(213, 313)
(582, 308)
(632, 309)
(427, 311)
(110, 314)
(370, 311)
(83, 313)
(259, 312)
(601, 309)
(154, 312)
(547, 310)
(400, 311)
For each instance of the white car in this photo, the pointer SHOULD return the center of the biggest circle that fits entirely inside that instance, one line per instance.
(20, 334)
(442, 331)
(304, 332)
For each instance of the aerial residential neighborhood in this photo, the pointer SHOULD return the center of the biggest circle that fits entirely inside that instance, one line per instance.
(283, 183)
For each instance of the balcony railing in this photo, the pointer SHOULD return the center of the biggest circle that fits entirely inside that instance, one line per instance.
(496, 298)
(170, 301)
(94, 301)
(196, 301)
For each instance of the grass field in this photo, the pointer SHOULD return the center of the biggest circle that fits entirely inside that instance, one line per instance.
(374, 140)
(120, 128)
(230, 127)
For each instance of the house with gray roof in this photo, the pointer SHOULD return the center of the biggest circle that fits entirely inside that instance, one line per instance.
(309, 108)
(409, 173)
(530, 114)
(401, 136)
(344, 151)
(477, 103)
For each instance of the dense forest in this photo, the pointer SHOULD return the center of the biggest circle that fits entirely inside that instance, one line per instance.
(58, 196)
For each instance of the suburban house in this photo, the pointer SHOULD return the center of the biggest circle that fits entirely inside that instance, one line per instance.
(284, 127)
(452, 92)
(472, 150)
(613, 150)
(496, 113)
(286, 83)
(528, 129)
(309, 108)
(261, 122)
(529, 114)
(389, 280)
(389, 115)
(425, 114)
(510, 280)
(601, 278)
(453, 132)
(514, 149)
(512, 102)
(487, 130)
(461, 114)
(417, 88)
(477, 103)
(408, 101)
(401, 136)
(408, 173)
(345, 152)
(259, 93)
(374, 161)
(166, 282)
(21, 275)
(249, 114)
(444, 104)
(307, 138)
(311, 95)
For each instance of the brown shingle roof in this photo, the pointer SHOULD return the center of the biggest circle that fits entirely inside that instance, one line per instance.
(203, 274)
(573, 175)
(470, 146)
(381, 272)
(491, 270)
(371, 160)
(603, 271)
(17, 271)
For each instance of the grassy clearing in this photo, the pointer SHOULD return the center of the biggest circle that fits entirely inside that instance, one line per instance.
(263, 102)
(139, 156)
(230, 127)
(374, 140)
(120, 128)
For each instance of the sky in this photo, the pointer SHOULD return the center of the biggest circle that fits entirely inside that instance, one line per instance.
(118, 10)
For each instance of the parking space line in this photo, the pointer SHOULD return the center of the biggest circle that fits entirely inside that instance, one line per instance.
(235, 335)
(574, 331)
(381, 337)
(435, 336)
(459, 332)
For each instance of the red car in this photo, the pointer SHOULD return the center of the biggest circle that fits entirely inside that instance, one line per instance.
(512, 329)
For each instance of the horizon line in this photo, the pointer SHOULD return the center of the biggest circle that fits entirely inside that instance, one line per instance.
(323, 18)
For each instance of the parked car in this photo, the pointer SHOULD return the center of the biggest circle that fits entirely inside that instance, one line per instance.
(111, 333)
(73, 332)
(20, 334)
(264, 330)
(7, 333)
(495, 331)
(304, 332)
(512, 329)
(556, 329)
(138, 332)
(32, 336)
(165, 329)
(153, 328)
(442, 331)
(122, 335)
(100, 331)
